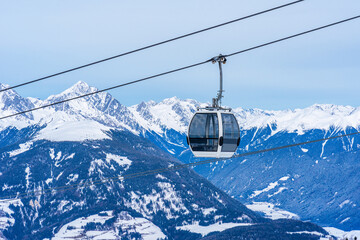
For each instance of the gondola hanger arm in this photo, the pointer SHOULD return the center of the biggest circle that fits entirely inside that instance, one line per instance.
(221, 59)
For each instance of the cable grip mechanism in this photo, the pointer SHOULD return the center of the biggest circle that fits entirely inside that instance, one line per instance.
(216, 102)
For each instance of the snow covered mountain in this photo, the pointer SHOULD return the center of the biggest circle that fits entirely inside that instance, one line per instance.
(175, 114)
(318, 182)
(10, 103)
(76, 155)
(158, 205)
(85, 118)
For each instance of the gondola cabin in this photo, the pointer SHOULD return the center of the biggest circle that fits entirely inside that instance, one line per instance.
(213, 132)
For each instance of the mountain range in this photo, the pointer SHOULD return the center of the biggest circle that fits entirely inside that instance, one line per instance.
(318, 182)
(96, 139)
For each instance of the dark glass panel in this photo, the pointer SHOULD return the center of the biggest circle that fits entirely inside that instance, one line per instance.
(204, 132)
(231, 132)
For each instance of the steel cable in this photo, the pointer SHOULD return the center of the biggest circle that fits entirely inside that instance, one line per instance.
(183, 68)
(151, 46)
(160, 170)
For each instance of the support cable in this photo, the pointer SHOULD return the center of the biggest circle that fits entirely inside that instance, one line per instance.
(152, 45)
(183, 68)
(293, 36)
(160, 170)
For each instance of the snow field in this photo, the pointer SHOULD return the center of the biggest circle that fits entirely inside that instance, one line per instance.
(271, 211)
(124, 224)
(270, 187)
(205, 230)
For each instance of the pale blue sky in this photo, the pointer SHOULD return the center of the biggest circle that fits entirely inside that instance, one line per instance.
(44, 37)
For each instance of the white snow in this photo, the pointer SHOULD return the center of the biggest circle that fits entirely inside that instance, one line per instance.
(345, 220)
(171, 113)
(277, 192)
(323, 148)
(6, 219)
(19, 121)
(307, 232)
(217, 196)
(284, 178)
(23, 148)
(243, 161)
(101, 235)
(62, 204)
(167, 200)
(159, 176)
(58, 176)
(270, 187)
(147, 229)
(207, 211)
(304, 150)
(121, 161)
(91, 117)
(58, 156)
(125, 222)
(271, 211)
(70, 156)
(95, 164)
(73, 131)
(317, 116)
(342, 234)
(75, 228)
(98, 164)
(72, 178)
(82, 119)
(205, 230)
(52, 153)
(27, 177)
(344, 203)
(161, 116)
(49, 180)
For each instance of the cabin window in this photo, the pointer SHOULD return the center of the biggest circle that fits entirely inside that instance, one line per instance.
(204, 132)
(231, 133)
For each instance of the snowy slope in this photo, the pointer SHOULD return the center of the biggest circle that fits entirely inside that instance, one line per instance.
(95, 117)
(124, 221)
(156, 205)
(170, 114)
(313, 173)
(168, 120)
(84, 118)
(318, 116)
(10, 103)
(174, 113)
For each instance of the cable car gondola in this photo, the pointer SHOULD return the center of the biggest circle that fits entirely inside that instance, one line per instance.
(214, 131)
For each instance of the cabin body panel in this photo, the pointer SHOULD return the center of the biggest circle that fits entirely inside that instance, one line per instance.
(213, 133)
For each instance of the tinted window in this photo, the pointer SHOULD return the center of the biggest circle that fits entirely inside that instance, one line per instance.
(231, 132)
(204, 132)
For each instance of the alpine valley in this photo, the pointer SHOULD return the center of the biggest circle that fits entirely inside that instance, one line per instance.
(84, 169)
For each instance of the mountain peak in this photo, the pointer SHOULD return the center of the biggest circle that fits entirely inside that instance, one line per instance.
(81, 83)
(7, 93)
(11, 102)
(333, 109)
(3, 86)
(171, 100)
(80, 88)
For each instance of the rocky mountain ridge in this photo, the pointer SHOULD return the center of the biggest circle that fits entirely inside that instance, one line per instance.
(101, 122)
